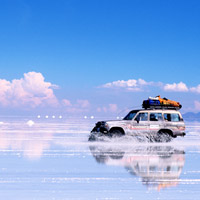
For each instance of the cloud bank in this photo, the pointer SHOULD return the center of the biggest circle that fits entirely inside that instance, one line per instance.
(113, 108)
(31, 91)
(176, 87)
(142, 85)
(195, 89)
(81, 105)
(131, 84)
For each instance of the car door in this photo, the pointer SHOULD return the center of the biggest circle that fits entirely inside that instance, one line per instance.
(155, 121)
(140, 123)
(173, 121)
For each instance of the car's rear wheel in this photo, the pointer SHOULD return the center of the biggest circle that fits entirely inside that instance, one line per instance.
(163, 136)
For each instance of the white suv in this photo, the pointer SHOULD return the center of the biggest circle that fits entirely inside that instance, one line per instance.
(155, 124)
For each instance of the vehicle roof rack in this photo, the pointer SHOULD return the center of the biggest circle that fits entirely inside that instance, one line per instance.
(163, 107)
(161, 103)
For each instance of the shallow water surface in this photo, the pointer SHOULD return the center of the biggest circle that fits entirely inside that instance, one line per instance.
(52, 159)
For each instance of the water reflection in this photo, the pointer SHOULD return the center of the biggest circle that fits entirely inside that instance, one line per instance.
(30, 145)
(157, 166)
(32, 142)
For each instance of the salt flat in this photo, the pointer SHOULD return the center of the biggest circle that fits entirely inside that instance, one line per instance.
(52, 159)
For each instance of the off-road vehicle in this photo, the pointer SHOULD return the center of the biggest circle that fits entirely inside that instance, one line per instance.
(154, 124)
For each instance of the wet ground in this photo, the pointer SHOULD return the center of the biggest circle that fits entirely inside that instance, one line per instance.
(52, 159)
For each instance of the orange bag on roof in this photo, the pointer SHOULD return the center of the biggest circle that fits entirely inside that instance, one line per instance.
(168, 102)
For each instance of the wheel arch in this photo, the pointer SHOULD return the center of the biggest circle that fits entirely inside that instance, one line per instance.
(117, 128)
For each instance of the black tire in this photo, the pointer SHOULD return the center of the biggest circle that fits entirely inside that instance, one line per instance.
(163, 136)
(115, 133)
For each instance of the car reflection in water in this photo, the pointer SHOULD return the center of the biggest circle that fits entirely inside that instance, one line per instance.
(158, 166)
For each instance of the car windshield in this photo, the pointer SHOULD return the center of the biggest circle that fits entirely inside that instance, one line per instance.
(130, 115)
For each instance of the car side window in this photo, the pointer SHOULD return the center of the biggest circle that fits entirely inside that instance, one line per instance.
(142, 117)
(130, 115)
(155, 116)
(172, 117)
(175, 117)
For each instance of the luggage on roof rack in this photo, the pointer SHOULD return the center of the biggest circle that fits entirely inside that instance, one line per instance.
(161, 103)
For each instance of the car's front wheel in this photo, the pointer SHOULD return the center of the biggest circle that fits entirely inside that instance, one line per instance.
(116, 132)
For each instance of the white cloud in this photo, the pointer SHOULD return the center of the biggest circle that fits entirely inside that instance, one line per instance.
(131, 84)
(31, 90)
(142, 85)
(195, 89)
(113, 107)
(136, 89)
(66, 102)
(143, 82)
(4, 88)
(176, 87)
(110, 108)
(81, 105)
(181, 87)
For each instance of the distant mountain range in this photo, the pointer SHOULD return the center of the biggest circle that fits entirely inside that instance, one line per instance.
(190, 116)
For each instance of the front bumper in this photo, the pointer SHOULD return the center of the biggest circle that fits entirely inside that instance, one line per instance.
(100, 128)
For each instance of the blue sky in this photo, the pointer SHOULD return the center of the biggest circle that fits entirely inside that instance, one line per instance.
(79, 46)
